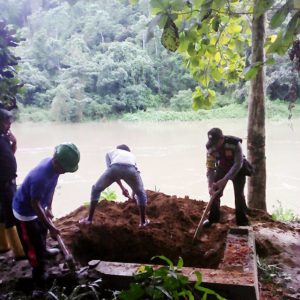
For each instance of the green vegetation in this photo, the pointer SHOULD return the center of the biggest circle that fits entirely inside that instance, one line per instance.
(215, 39)
(89, 290)
(224, 109)
(166, 282)
(9, 83)
(108, 195)
(283, 214)
(266, 272)
(91, 60)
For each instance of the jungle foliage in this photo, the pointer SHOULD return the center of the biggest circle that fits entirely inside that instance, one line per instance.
(98, 59)
(9, 84)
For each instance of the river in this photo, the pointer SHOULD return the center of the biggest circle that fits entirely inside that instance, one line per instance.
(170, 155)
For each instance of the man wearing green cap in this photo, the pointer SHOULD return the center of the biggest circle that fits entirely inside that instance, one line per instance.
(32, 207)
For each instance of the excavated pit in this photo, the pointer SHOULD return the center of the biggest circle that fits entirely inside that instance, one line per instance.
(226, 258)
(116, 236)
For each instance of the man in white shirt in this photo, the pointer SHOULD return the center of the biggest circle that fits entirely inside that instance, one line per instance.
(121, 165)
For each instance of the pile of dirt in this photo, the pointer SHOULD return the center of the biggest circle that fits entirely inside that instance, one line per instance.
(115, 235)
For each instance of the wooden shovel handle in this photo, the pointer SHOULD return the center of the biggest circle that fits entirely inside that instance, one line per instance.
(205, 213)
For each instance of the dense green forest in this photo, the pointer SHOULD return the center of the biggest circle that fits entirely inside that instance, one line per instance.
(86, 60)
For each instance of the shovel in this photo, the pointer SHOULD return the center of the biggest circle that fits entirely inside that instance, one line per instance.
(204, 216)
(68, 256)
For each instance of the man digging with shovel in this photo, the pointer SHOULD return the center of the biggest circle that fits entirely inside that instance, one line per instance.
(121, 165)
(32, 208)
(225, 161)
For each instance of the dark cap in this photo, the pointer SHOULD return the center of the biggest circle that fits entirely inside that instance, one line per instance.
(5, 114)
(214, 135)
(123, 147)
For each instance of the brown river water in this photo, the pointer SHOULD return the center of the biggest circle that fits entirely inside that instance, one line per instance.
(170, 156)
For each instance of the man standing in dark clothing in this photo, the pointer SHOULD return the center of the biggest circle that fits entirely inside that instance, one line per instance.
(225, 161)
(8, 173)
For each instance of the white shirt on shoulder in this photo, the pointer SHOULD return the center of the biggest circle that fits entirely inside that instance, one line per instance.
(119, 156)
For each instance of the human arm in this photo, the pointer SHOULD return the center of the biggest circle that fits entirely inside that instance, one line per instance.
(124, 190)
(211, 170)
(41, 213)
(107, 160)
(237, 165)
(12, 140)
(48, 210)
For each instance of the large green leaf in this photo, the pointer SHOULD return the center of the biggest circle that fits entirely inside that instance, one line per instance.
(234, 28)
(177, 5)
(216, 23)
(251, 72)
(293, 27)
(216, 75)
(262, 6)
(218, 4)
(280, 15)
(158, 6)
(170, 36)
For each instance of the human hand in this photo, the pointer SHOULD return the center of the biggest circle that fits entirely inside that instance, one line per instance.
(211, 190)
(12, 140)
(11, 137)
(49, 214)
(220, 185)
(85, 221)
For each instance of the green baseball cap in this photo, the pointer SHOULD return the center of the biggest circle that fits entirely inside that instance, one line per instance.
(68, 156)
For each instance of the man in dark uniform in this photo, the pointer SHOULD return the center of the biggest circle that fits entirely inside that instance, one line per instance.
(8, 173)
(225, 161)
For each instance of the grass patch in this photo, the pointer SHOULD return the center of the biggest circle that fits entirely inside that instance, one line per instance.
(233, 111)
(223, 109)
(266, 272)
(284, 214)
(275, 110)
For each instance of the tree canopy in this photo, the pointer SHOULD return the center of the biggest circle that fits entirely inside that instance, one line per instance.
(106, 57)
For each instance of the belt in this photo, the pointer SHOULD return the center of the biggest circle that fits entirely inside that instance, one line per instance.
(124, 165)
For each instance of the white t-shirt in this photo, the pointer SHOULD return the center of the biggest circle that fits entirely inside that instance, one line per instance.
(119, 156)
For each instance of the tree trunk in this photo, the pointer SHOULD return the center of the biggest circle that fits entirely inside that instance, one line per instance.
(256, 119)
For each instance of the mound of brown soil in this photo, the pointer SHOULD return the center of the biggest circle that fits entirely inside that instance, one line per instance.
(116, 236)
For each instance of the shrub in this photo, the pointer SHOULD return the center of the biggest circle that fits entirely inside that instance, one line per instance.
(166, 282)
(282, 214)
(182, 101)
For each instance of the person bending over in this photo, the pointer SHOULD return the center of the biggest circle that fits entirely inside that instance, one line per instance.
(225, 161)
(121, 165)
(32, 205)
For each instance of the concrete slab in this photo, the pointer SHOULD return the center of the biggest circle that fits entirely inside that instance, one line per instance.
(235, 279)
